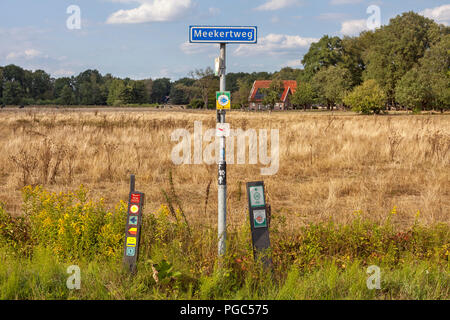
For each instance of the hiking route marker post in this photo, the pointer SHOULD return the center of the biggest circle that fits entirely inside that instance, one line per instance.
(259, 213)
(133, 228)
(222, 35)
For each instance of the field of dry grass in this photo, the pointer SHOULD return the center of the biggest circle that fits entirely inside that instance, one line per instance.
(331, 165)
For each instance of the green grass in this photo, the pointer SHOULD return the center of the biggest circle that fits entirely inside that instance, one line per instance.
(44, 277)
(320, 261)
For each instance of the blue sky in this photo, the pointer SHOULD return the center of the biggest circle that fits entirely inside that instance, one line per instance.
(149, 38)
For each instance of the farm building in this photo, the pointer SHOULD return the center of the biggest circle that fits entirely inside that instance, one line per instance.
(256, 96)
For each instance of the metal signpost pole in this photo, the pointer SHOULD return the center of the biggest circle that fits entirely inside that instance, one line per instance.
(222, 176)
(222, 35)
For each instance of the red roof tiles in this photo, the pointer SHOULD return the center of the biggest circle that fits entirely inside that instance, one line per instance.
(289, 85)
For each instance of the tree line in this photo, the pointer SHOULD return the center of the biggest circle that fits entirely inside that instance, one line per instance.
(24, 87)
(403, 64)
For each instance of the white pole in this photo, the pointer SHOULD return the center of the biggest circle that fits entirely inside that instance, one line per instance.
(222, 177)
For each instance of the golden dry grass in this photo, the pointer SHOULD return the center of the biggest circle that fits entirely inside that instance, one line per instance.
(331, 165)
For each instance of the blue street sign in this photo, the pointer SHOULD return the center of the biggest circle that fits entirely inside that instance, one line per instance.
(223, 34)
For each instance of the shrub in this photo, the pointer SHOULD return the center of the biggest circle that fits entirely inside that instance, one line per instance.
(196, 104)
(72, 226)
(366, 98)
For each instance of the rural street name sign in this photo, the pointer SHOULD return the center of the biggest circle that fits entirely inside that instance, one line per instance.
(223, 34)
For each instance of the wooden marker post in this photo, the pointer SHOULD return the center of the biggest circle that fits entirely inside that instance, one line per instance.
(259, 222)
(133, 228)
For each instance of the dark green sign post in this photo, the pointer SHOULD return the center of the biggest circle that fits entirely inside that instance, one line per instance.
(259, 215)
(133, 228)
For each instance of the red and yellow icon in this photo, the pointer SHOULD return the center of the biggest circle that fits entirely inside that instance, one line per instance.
(134, 209)
(132, 231)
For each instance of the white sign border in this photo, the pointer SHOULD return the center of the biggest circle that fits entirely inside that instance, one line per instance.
(255, 28)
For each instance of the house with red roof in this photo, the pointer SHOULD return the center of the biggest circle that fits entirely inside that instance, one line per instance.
(256, 96)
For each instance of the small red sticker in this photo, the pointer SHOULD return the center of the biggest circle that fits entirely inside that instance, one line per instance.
(135, 198)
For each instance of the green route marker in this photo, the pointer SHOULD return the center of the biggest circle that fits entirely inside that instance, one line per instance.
(258, 213)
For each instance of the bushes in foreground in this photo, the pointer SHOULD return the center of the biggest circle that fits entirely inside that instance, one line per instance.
(320, 261)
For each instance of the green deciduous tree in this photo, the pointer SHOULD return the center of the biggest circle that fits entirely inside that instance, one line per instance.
(322, 54)
(411, 91)
(272, 95)
(67, 96)
(41, 85)
(240, 97)
(331, 85)
(366, 98)
(427, 85)
(12, 92)
(304, 95)
(206, 82)
(160, 90)
(115, 90)
(397, 47)
(139, 92)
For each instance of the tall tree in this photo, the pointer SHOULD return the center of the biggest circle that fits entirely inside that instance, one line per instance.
(322, 54)
(1, 86)
(304, 96)
(240, 97)
(12, 93)
(397, 47)
(427, 85)
(272, 95)
(115, 90)
(204, 80)
(331, 85)
(67, 96)
(160, 90)
(41, 85)
(139, 92)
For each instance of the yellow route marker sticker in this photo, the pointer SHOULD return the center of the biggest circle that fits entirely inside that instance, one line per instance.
(131, 242)
(134, 209)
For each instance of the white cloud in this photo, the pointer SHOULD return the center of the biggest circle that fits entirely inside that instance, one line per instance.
(197, 48)
(439, 14)
(275, 19)
(27, 54)
(271, 5)
(332, 16)
(297, 63)
(275, 44)
(62, 73)
(339, 2)
(151, 10)
(214, 11)
(353, 27)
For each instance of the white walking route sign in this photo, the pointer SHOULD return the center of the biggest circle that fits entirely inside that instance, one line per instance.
(222, 35)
